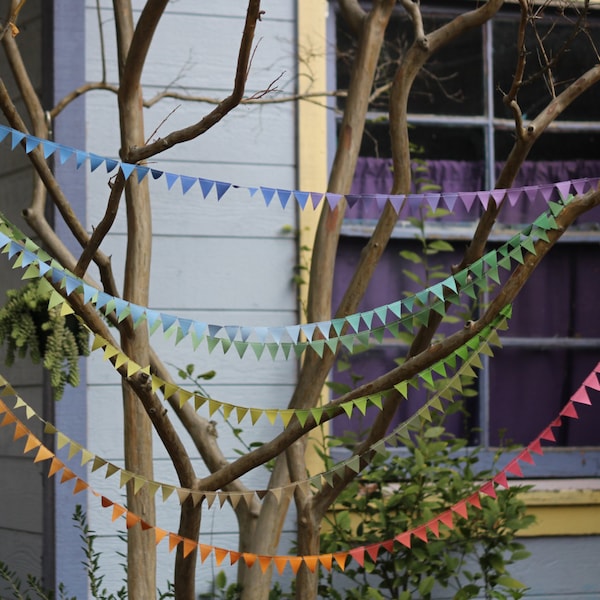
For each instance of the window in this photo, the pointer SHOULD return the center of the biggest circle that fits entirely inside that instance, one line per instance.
(460, 122)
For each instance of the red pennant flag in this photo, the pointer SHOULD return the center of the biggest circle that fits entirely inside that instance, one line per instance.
(421, 533)
(474, 500)
(536, 447)
(145, 526)
(434, 527)
(581, 396)
(447, 519)
(556, 423)
(514, 468)
(388, 545)
(372, 551)
(404, 539)
(488, 489)
(358, 554)
(569, 411)
(105, 502)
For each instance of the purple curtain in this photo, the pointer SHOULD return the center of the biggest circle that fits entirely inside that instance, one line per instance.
(528, 385)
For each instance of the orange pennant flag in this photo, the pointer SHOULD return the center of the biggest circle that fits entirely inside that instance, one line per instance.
(326, 560)
(204, 551)
(67, 475)
(340, 559)
(131, 520)
(20, 431)
(220, 554)
(118, 510)
(188, 547)
(32, 442)
(234, 556)
(43, 454)
(264, 562)
(8, 419)
(174, 541)
(249, 558)
(280, 562)
(145, 526)
(55, 466)
(159, 534)
(295, 562)
(80, 485)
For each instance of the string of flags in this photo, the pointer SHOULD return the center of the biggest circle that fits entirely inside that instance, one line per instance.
(467, 356)
(432, 529)
(292, 340)
(218, 189)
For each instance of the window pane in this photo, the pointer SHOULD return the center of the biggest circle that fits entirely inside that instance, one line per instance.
(536, 93)
(451, 83)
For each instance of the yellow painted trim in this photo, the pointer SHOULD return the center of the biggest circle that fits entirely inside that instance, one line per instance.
(563, 511)
(312, 153)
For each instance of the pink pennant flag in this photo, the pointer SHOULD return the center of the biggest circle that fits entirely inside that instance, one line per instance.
(536, 447)
(488, 489)
(526, 457)
(581, 396)
(501, 479)
(591, 381)
(569, 411)
(548, 435)
(514, 468)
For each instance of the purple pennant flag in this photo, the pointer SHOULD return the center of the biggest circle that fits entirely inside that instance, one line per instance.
(530, 192)
(513, 195)
(580, 186)
(381, 200)
(316, 198)
(333, 200)
(563, 188)
(449, 200)
(352, 199)
(544, 192)
(433, 200)
(398, 202)
(498, 196)
(467, 199)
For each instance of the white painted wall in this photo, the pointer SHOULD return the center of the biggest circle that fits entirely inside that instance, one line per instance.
(224, 263)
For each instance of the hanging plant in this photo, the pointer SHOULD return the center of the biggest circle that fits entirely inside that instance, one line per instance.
(27, 325)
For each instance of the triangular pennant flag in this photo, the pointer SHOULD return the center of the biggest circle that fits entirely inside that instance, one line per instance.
(187, 183)
(358, 554)
(569, 411)
(447, 519)
(222, 188)
(404, 539)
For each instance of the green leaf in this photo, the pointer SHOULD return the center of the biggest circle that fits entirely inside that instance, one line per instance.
(411, 256)
(441, 246)
(426, 585)
(434, 432)
(510, 583)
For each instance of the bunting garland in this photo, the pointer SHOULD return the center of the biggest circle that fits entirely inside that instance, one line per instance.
(218, 189)
(447, 518)
(280, 341)
(468, 353)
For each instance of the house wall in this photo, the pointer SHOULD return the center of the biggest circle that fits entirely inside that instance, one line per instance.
(22, 483)
(229, 262)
